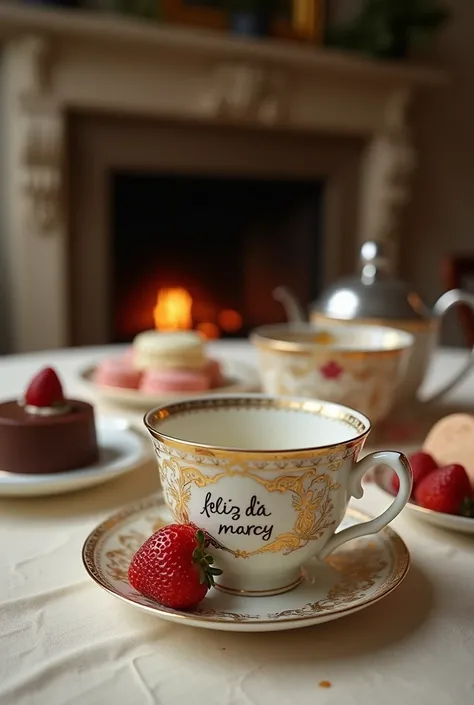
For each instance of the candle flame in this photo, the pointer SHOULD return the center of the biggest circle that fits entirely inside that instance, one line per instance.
(173, 309)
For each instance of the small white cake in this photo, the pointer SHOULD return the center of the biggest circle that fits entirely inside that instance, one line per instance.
(153, 350)
(451, 440)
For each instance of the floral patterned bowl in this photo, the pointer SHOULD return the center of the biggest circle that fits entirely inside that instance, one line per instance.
(359, 366)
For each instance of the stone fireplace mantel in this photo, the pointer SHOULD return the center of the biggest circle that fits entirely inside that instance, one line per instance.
(59, 63)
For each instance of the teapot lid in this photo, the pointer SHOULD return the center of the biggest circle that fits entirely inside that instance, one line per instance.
(375, 293)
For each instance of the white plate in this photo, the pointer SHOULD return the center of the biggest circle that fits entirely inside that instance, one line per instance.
(121, 450)
(239, 378)
(354, 577)
(451, 522)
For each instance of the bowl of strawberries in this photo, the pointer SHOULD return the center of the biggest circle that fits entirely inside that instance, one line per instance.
(443, 475)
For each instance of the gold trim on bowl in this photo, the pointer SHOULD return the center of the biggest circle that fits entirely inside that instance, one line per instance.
(328, 410)
(409, 325)
(399, 569)
(267, 338)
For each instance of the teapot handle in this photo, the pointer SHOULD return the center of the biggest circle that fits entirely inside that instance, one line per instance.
(292, 306)
(442, 306)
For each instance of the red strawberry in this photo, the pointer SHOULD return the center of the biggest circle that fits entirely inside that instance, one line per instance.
(44, 389)
(421, 465)
(446, 490)
(173, 567)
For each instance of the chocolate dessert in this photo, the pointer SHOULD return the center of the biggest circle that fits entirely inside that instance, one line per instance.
(44, 432)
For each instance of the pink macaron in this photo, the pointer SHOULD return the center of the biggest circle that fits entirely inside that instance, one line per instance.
(113, 372)
(128, 355)
(214, 371)
(169, 380)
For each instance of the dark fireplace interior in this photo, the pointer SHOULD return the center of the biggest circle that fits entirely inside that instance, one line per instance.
(207, 251)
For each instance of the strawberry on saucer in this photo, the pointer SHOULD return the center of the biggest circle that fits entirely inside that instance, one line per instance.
(174, 567)
(45, 432)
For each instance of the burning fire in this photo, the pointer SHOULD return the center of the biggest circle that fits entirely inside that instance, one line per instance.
(174, 308)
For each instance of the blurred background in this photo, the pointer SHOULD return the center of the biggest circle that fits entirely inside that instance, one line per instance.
(169, 163)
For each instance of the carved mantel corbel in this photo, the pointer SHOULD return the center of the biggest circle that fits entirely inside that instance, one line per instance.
(40, 135)
(248, 93)
(386, 179)
(33, 122)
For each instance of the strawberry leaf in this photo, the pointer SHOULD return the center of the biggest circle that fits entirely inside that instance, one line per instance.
(204, 561)
(215, 571)
(467, 507)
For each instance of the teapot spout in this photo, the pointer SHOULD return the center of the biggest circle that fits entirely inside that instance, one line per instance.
(293, 309)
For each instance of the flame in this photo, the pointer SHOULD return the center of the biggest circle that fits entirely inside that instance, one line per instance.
(173, 309)
(230, 320)
(209, 330)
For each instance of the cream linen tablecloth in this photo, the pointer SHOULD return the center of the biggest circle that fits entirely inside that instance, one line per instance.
(64, 640)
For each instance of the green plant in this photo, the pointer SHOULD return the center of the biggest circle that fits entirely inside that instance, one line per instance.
(389, 28)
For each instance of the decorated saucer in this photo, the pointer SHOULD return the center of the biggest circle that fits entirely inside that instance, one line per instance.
(464, 525)
(238, 377)
(354, 577)
(121, 450)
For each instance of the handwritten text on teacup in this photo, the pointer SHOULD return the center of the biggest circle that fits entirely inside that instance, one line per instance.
(255, 508)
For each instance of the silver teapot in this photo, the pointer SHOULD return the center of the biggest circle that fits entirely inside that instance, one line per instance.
(377, 297)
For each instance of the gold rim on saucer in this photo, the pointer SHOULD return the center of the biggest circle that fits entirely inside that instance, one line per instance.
(356, 577)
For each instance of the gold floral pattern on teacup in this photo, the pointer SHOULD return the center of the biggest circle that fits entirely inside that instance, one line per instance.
(311, 499)
(361, 363)
(323, 337)
(362, 381)
(271, 489)
(331, 459)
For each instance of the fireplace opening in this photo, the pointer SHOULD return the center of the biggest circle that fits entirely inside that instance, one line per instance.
(206, 252)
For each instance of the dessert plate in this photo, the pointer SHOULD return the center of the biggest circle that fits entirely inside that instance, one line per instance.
(121, 450)
(239, 378)
(451, 522)
(354, 577)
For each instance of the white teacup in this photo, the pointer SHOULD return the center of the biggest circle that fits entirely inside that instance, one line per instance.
(426, 333)
(355, 365)
(269, 479)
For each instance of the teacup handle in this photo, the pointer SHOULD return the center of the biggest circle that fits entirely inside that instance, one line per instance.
(442, 306)
(400, 464)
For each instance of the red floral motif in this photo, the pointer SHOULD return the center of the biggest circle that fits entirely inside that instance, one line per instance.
(331, 370)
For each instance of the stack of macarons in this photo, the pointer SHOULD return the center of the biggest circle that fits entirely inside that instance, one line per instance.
(159, 363)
